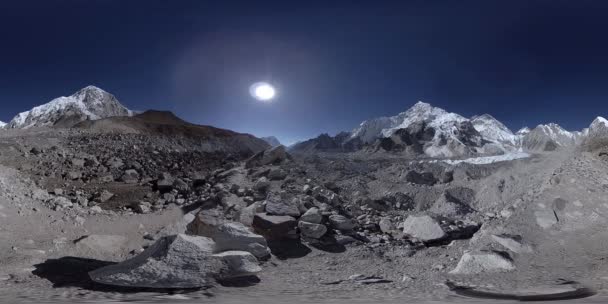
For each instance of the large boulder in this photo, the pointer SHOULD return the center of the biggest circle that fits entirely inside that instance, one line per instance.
(240, 263)
(424, 178)
(483, 262)
(312, 230)
(177, 261)
(277, 204)
(341, 222)
(276, 155)
(229, 235)
(274, 227)
(424, 228)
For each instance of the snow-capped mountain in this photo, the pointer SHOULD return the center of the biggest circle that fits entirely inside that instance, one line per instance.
(523, 132)
(493, 130)
(88, 103)
(549, 137)
(598, 128)
(2, 124)
(438, 132)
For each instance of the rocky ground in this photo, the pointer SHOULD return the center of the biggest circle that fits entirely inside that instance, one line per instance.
(328, 226)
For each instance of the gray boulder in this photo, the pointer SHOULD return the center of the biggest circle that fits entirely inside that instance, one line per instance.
(341, 222)
(276, 155)
(239, 264)
(177, 261)
(312, 215)
(312, 230)
(424, 228)
(282, 205)
(274, 227)
(130, 176)
(483, 262)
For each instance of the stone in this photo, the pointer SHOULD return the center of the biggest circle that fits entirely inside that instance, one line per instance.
(274, 227)
(246, 214)
(261, 185)
(130, 176)
(424, 178)
(164, 183)
(77, 162)
(143, 207)
(512, 242)
(240, 263)
(176, 261)
(312, 230)
(180, 185)
(340, 222)
(280, 205)
(105, 196)
(62, 202)
(312, 215)
(386, 225)
(73, 175)
(277, 174)
(483, 262)
(424, 228)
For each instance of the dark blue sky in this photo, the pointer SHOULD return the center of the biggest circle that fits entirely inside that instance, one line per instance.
(335, 63)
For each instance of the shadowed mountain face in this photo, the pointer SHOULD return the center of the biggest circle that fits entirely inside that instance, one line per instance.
(165, 123)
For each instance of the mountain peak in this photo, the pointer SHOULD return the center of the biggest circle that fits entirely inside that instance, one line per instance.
(600, 120)
(89, 102)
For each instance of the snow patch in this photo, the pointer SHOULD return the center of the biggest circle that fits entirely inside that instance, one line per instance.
(484, 160)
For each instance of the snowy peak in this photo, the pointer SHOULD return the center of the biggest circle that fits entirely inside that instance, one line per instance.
(88, 103)
(493, 130)
(549, 137)
(2, 124)
(523, 131)
(598, 128)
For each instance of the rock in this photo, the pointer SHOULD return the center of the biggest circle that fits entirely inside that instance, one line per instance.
(58, 191)
(36, 151)
(281, 205)
(424, 228)
(232, 236)
(246, 214)
(206, 221)
(181, 185)
(274, 227)
(177, 261)
(261, 185)
(512, 242)
(386, 225)
(96, 209)
(273, 156)
(130, 176)
(240, 263)
(483, 262)
(101, 243)
(340, 222)
(165, 183)
(424, 178)
(143, 207)
(62, 202)
(77, 162)
(73, 175)
(104, 196)
(277, 174)
(312, 230)
(312, 215)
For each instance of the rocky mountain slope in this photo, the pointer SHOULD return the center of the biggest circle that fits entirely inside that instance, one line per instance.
(166, 124)
(271, 140)
(88, 103)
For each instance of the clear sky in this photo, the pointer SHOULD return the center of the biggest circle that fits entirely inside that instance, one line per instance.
(335, 63)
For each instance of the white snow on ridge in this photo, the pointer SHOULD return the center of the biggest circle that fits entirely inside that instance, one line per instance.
(90, 103)
(492, 129)
(484, 160)
(2, 124)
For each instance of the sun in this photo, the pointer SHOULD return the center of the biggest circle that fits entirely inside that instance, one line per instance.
(262, 91)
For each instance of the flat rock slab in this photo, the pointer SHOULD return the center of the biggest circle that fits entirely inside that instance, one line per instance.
(274, 227)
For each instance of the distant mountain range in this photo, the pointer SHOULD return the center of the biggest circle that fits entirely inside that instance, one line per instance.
(424, 130)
